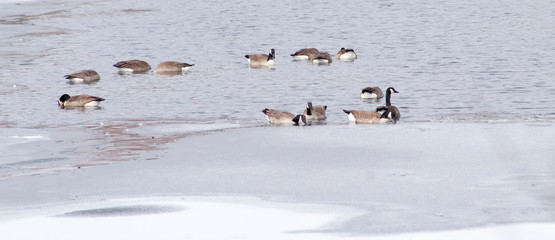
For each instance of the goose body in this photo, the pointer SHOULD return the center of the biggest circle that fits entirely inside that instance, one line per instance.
(388, 107)
(172, 67)
(280, 117)
(321, 58)
(67, 101)
(304, 54)
(371, 93)
(315, 113)
(83, 76)
(346, 54)
(356, 116)
(132, 66)
(262, 60)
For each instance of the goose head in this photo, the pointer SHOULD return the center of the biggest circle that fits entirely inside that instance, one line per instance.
(62, 99)
(391, 90)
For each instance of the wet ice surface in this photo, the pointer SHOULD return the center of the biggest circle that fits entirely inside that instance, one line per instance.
(413, 177)
(31, 151)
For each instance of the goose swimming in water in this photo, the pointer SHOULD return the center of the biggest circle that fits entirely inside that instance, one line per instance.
(132, 66)
(346, 54)
(280, 117)
(370, 117)
(86, 76)
(321, 58)
(172, 67)
(315, 113)
(67, 101)
(371, 93)
(262, 60)
(304, 54)
(388, 106)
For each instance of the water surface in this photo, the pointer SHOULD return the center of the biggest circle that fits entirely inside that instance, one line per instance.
(461, 61)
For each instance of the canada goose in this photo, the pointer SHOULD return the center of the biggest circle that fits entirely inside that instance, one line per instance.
(315, 113)
(83, 76)
(321, 58)
(393, 109)
(132, 66)
(346, 54)
(66, 101)
(369, 117)
(262, 60)
(172, 67)
(371, 93)
(304, 54)
(279, 117)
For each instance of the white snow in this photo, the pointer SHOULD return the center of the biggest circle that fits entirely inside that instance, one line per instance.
(222, 218)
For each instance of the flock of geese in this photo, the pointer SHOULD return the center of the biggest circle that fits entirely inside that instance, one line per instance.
(382, 114)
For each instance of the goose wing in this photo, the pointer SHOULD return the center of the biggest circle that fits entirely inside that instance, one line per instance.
(86, 75)
(84, 99)
(306, 51)
(136, 65)
(276, 116)
(171, 66)
(374, 90)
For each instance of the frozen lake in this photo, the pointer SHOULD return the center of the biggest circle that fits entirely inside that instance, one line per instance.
(305, 182)
(473, 148)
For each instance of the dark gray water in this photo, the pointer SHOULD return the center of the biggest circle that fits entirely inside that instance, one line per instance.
(450, 60)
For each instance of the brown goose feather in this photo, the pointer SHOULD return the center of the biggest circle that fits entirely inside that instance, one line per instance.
(306, 52)
(321, 55)
(86, 75)
(374, 90)
(172, 66)
(79, 100)
(136, 65)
